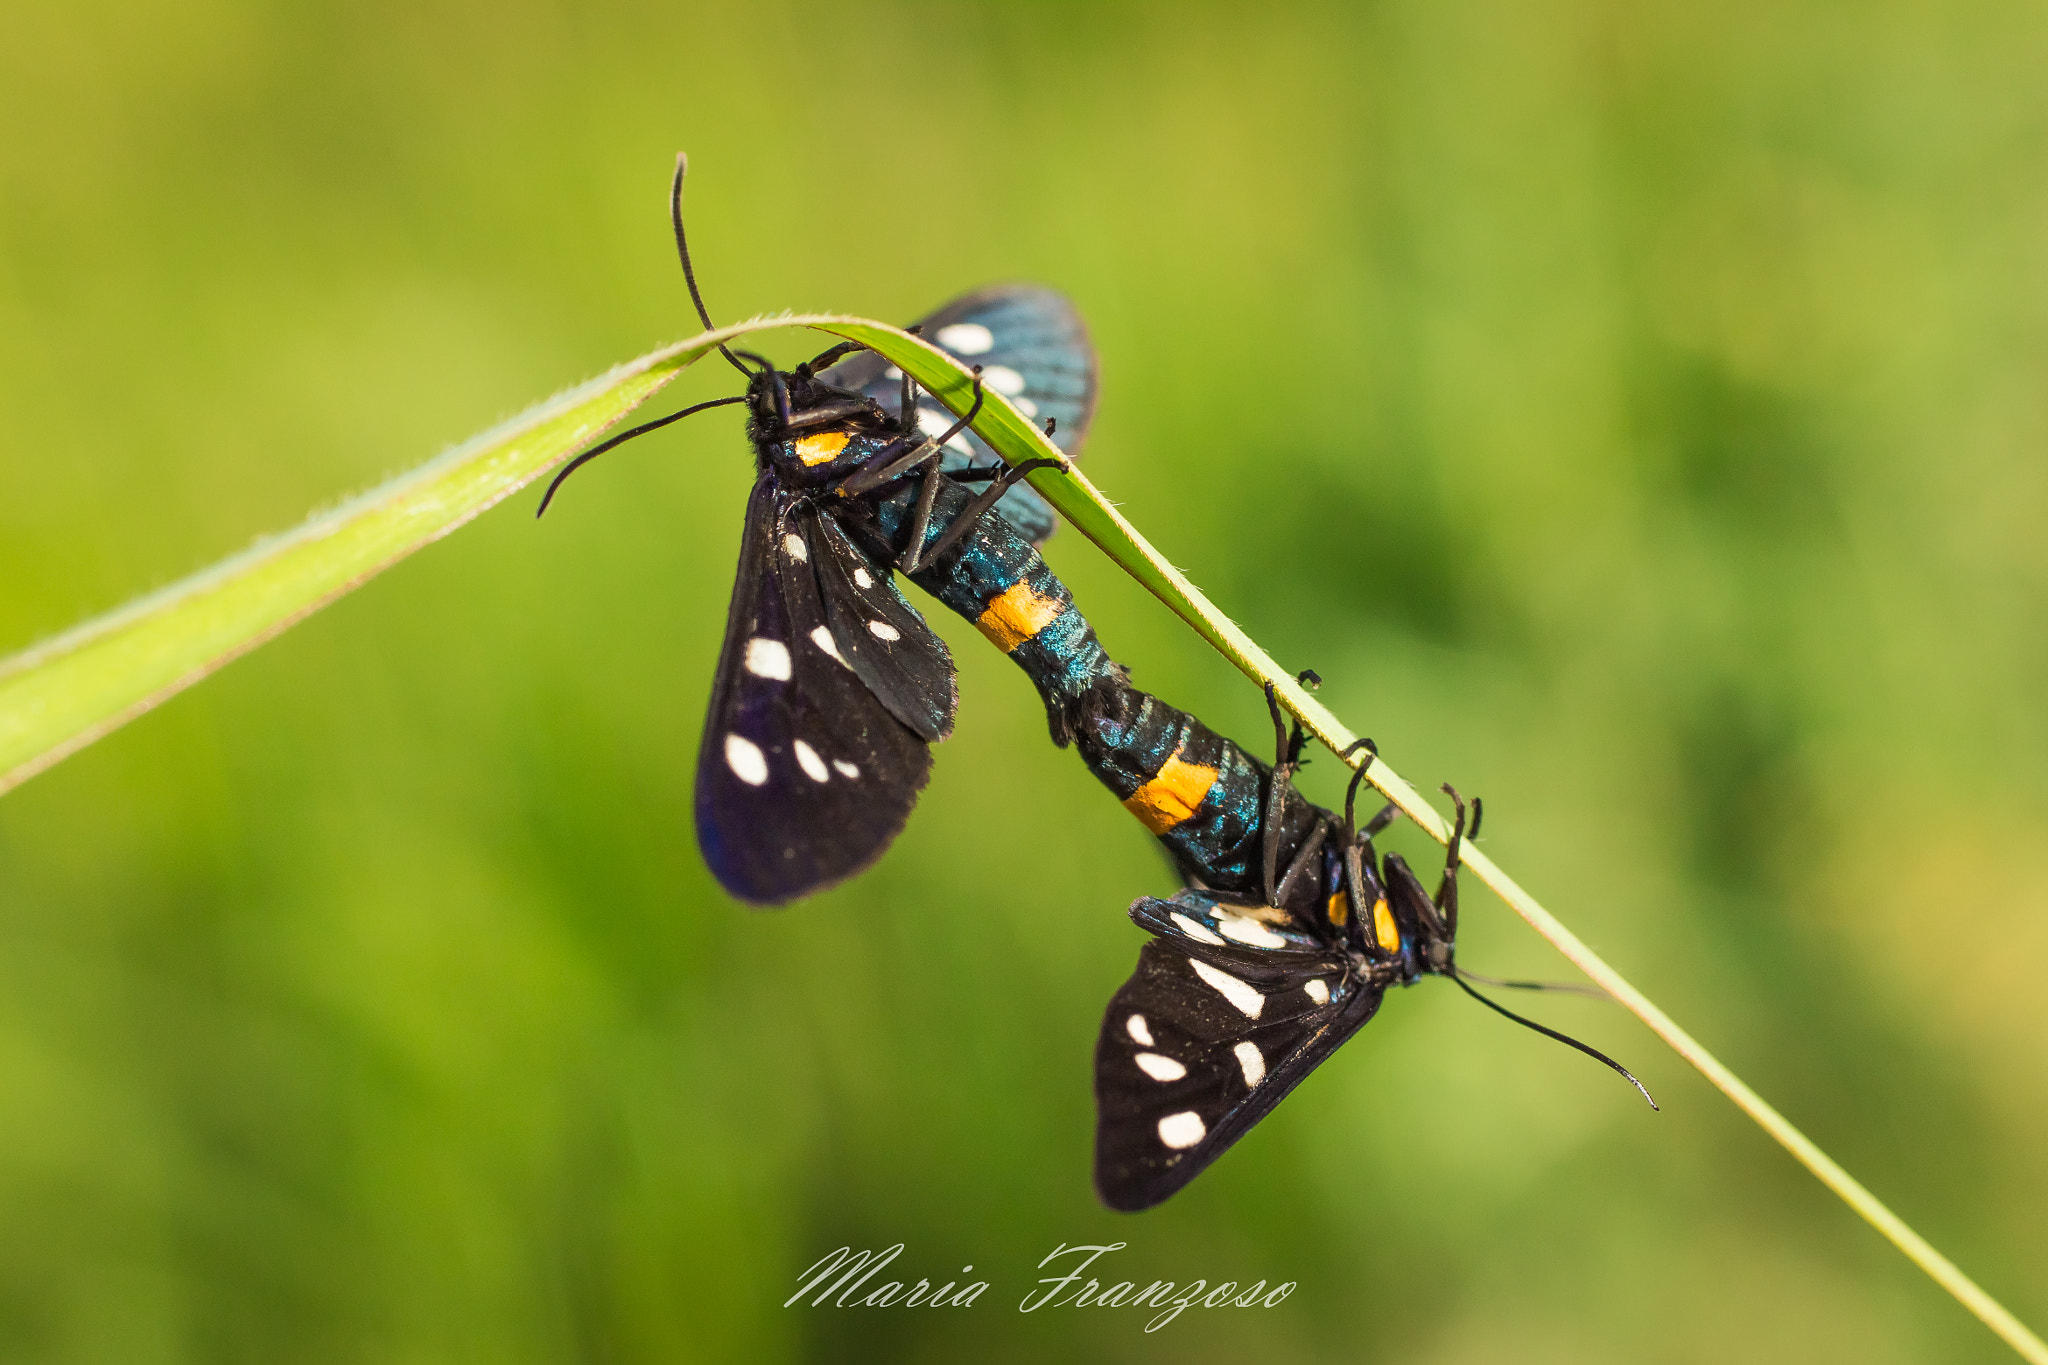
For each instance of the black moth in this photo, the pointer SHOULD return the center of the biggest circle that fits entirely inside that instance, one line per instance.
(830, 686)
(1236, 999)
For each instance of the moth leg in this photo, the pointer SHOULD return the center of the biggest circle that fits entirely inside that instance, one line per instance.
(1358, 847)
(887, 465)
(1311, 848)
(830, 357)
(1446, 900)
(913, 556)
(1278, 784)
(971, 515)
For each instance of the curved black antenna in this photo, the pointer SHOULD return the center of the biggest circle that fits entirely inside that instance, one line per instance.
(1591, 992)
(1592, 1052)
(587, 456)
(675, 216)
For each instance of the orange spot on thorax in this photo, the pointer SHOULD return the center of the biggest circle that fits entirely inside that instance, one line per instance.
(821, 447)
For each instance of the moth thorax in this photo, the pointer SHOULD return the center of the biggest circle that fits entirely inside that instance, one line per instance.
(821, 455)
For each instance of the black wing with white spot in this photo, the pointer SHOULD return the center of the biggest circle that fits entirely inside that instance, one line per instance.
(804, 775)
(1230, 1008)
(879, 633)
(1033, 349)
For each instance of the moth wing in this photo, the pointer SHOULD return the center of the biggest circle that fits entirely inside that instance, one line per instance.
(1213, 1029)
(879, 633)
(804, 776)
(1033, 349)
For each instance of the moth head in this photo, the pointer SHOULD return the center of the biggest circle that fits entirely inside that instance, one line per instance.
(807, 430)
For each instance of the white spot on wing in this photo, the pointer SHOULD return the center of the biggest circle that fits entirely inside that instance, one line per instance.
(861, 578)
(822, 638)
(1247, 931)
(1025, 406)
(892, 373)
(935, 424)
(1318, 991)
(768, 658)
(794, 543)
(1003, 380)
(845, 769)
(882, 630)
(1135, 1026)
(813, 766)
(746, 760)
(1248, 1001)
(1254, 1063)
(1160, 1068)
(966, 338)
(1182, 1130)
(1195, 929)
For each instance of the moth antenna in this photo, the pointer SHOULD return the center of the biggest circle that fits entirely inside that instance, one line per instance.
(587, 456)
(1570, 1042)
(675, 216)
(1557, 987)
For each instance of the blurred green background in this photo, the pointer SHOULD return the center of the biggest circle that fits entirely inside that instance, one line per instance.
(1636, 414)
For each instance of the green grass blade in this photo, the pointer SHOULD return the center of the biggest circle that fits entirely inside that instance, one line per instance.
(61, 695)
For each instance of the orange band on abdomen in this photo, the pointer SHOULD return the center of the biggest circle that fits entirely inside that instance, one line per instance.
(1171, 797)
(1017, 614)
